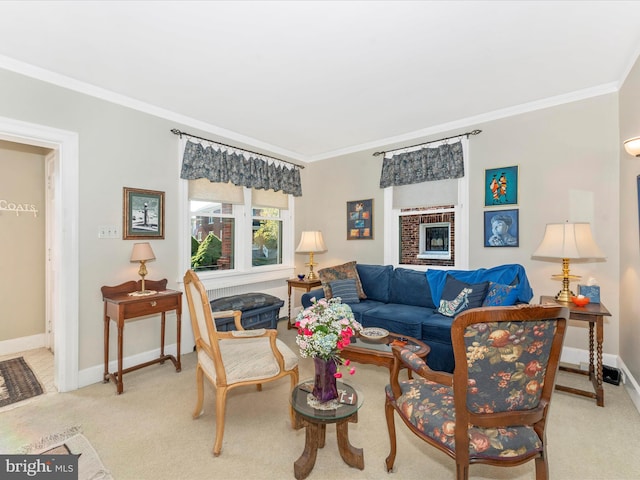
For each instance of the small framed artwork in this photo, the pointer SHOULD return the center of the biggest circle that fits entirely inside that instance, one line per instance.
(501, 228)
(360, 220)
(143, 214)
(501, 186)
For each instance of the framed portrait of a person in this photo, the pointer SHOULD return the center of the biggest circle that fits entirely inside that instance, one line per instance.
(143, 214)
(501, 186)
(501, 228)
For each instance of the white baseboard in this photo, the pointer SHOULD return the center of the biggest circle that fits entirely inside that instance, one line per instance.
(94, 374)
(15, 345)
(578, 356)
(631, 384)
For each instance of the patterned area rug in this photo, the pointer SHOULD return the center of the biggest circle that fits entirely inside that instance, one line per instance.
(72, 442)
(17, 381)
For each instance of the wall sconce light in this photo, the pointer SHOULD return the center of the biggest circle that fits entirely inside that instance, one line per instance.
(568, 241)
(142, 253)
(311, 242)
(632, 146)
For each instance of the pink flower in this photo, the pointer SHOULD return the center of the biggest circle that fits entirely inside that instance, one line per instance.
(347, 362)
(338, 374)
(352, 370)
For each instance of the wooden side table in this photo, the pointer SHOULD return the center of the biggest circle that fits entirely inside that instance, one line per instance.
(593, 313)
(305, 284)
(119, 306)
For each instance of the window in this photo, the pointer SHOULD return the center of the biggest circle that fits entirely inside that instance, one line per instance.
(236, 230)
(212, 235)
(266, 239)
(435, 240)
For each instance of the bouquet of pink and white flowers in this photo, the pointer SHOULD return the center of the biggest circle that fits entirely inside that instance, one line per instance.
(325, 328)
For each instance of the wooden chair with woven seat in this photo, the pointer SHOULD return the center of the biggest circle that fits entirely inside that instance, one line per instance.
(235, 358)
(493, 409)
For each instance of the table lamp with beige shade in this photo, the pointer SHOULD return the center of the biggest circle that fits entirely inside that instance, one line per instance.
(142, 252)
(567, 241)
(311, 242)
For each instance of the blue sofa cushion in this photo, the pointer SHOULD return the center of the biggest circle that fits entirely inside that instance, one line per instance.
(364, 306)
(376, 281)
(400, 319)
(346, 290)
(459, 296)
(500, 295)
(437, 327)
(410, 287)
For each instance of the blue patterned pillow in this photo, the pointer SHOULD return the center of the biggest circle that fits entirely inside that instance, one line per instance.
(500, 295)
(345, 289)
(459, 296)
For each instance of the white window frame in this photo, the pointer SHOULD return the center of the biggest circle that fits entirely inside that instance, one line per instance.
(461, 227)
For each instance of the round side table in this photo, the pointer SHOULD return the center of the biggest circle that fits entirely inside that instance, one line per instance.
(315, 416)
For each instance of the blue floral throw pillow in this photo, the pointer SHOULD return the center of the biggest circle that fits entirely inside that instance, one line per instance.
(500, 295)
(459, 296)
(346, 290)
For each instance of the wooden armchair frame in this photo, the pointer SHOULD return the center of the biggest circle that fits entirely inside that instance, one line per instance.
(208, 340)
(458, 382)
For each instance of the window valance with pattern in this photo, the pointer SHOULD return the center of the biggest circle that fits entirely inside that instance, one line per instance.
(218, 164)
(426, 164)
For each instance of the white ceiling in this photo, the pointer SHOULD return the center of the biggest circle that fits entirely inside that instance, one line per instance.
(310, 80)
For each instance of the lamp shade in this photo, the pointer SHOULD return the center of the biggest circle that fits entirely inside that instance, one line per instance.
(632, 146)
(568, 240)
(142, 252)
(311, 242)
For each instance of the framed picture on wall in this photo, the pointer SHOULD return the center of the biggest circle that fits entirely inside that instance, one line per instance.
(501, 228)
(360, 220)
(501, 186)
(143, 214)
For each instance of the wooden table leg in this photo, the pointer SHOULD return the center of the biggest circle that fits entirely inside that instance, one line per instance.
(120, 340)
(599, 374)
(178, 335)
(289, 326)
(314, 439)
(162, 325)
(105, 376)
(352, 456)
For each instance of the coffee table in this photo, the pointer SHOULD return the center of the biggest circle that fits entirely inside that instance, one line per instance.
(315, 417)
(378, 351)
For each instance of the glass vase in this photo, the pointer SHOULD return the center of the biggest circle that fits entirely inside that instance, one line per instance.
(324, 385)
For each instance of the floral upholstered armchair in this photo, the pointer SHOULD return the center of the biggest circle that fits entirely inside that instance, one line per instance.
(493, 408)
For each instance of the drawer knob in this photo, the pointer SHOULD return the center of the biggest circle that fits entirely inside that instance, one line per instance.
(154, 303)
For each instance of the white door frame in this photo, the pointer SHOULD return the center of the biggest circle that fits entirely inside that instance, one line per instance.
(51, 163)
(65, 238)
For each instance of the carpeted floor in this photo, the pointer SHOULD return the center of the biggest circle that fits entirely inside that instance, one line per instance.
(71, 442)
(148, 432)
(17, 382)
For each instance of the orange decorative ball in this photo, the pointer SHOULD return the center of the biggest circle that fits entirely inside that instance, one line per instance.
(580, 300)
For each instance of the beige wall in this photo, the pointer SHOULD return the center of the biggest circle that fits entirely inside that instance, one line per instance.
(568, 170)
(565, 153)
(22, 242)
(629, 242)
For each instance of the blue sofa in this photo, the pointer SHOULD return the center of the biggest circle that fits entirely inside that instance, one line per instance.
(406, 301)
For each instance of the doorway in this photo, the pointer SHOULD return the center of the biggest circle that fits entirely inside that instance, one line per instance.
(63, 249)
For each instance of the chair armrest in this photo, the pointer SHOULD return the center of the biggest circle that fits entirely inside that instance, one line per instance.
(318, 293)
(236, 314)
(403, 357)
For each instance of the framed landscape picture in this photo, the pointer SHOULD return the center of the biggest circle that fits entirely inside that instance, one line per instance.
(501, 186)
(501, 228)
(143, 214)
(360, 220)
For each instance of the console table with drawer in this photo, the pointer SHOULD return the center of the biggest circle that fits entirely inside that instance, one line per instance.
(121, 304)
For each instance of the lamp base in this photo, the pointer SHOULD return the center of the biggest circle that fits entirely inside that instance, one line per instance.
(564, 296)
